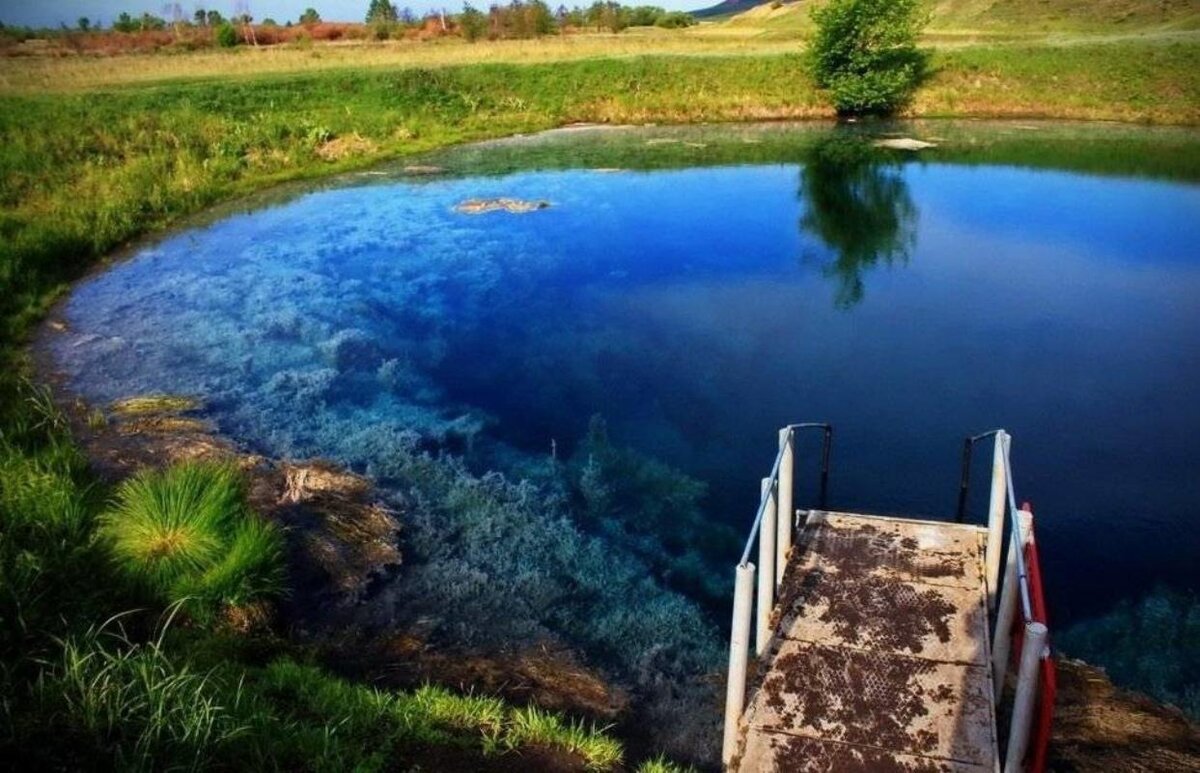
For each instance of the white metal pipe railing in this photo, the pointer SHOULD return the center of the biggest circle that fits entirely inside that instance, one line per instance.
(766, 563)
(1017, 532)
(773, 526)
(995, 527)
(1007, 611)
(1013, 591)
(739, 644)
(1033, 649)
(786, 514)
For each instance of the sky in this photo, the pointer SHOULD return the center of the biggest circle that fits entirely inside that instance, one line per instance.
(49, 13)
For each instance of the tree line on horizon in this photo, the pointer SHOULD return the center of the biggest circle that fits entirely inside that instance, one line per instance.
(516, 19)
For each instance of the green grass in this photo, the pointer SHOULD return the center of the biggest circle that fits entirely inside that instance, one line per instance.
(76, 694)
(661, 765)
(111, 701)
(186, 535)
(532, 726)
(434, 715)
(139, 705)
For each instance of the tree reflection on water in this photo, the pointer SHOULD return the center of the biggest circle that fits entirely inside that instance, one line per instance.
(857, 204)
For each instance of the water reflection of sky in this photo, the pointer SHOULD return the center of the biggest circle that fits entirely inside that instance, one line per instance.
(697, 312)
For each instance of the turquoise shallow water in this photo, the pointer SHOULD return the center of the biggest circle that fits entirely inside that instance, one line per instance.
(695, 310)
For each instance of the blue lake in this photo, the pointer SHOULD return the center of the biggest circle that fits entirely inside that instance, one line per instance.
(909, 301)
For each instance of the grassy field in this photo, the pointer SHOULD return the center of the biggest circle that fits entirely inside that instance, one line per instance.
(95, 152)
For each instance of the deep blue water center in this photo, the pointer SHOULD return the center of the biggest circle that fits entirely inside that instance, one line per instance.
(697, 309)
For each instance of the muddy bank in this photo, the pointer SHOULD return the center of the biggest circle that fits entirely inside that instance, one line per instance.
(1098, 726)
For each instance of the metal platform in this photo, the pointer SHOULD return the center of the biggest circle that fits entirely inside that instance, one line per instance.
(879, 657)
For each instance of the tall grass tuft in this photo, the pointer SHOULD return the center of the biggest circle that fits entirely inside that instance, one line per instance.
(136, 706)
(533, 726)
(661, 764)
(186, 535)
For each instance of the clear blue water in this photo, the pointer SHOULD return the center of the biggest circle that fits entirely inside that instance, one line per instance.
(696, 310)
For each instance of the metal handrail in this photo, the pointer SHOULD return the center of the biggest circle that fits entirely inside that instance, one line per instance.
(774, 542)
(964, 481)
(762, 508)
(1017, 537)
(774, 478)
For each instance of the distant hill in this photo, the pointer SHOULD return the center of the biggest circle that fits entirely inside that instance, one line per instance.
(1008, 15)
(728, 8)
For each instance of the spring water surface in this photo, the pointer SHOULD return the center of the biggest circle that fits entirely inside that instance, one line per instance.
(692, 308)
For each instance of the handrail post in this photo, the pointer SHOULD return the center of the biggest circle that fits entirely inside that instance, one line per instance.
(783, 540)
(1032, 649)
(964, 480)
(826, 447)
(995, 538)
(766, 574)
(739, 652)
(1007, 612)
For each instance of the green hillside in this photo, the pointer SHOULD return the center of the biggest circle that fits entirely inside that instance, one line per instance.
(773, 19)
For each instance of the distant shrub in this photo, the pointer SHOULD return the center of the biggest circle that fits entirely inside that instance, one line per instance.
(381, 11)
(227, 35)
(185, 534)
(675, 20)
(472, 23)
(864, 53)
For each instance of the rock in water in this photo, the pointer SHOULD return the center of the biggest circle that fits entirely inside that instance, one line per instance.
(903, 143)
(423, 169)
(513, 206)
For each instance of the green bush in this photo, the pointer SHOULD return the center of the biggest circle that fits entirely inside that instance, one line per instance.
(864, 53)
(185, 534)
(675, 20)
(227, 36)
(473, 23)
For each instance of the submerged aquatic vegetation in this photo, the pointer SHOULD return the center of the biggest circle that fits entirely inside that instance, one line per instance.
(185, 534)
(653, 510)
(1152, 645)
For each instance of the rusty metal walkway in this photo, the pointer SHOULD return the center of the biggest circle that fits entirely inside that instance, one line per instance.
(878, 658)
(882, 643)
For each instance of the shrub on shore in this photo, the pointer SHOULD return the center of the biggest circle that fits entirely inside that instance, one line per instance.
(864, 52)
(185, 534)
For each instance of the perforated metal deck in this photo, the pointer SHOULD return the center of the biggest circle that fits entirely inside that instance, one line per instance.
(879, 657)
